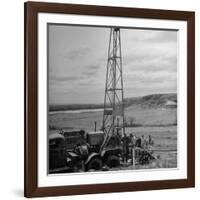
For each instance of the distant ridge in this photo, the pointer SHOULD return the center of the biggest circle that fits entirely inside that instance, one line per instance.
(148, 101)
(151, 101)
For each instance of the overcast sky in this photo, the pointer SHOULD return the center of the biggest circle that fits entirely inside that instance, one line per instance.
(78, 57)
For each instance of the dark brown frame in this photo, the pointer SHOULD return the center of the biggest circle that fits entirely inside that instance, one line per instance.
(31, 9)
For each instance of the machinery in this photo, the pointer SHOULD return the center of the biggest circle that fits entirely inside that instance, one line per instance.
(73, 151)
(80, 151)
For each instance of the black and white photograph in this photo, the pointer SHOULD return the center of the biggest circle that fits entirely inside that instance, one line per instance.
(112, 98)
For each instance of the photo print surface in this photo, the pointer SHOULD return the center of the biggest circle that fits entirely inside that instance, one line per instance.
(112, 99)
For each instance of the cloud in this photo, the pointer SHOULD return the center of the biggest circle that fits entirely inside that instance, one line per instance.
(90, 70)
(77, 53)
(152, 65)
(65, 78)
(154, 36)
(147, 78)
(164, 37)
(89, 73)
(93, 67)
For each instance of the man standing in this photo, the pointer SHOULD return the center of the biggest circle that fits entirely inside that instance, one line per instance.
(126, 142)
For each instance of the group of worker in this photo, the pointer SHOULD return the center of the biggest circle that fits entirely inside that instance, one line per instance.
(131, 142)
(142, 142)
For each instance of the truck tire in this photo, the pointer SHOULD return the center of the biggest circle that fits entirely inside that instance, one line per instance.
(94, 164)
(113, 161)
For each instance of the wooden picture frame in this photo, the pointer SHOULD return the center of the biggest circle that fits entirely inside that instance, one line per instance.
(31, 188)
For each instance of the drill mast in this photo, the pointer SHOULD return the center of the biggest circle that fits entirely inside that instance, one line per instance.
(113, 115)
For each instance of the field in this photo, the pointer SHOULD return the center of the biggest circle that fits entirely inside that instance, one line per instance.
(159, 122)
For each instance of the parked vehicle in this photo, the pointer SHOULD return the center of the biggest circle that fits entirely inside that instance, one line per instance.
(80, 151)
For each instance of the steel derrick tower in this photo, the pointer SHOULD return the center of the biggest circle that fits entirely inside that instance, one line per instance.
(113, 115)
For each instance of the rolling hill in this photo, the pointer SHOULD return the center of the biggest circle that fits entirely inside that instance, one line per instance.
(148, 101)
(151, 101)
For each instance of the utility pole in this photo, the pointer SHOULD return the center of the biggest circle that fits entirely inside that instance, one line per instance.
(113, 115)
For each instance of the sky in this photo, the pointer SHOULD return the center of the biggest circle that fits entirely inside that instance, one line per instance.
(78, 57)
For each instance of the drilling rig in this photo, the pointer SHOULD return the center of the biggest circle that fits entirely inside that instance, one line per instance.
(113, 115)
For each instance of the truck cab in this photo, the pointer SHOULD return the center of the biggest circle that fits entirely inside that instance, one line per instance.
(57, 152)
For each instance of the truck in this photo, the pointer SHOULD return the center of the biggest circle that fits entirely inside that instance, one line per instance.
(75, 150)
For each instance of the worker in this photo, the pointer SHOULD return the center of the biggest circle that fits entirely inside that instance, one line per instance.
(131, 137)
(83, 135)
(82, 150)
(133, 140)
(126, 142)
(138, 142)
(132, 149)
(150, 141)
(143, 142)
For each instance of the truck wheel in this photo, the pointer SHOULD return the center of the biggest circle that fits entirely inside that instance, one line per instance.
(113, 161)
(95, 164)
